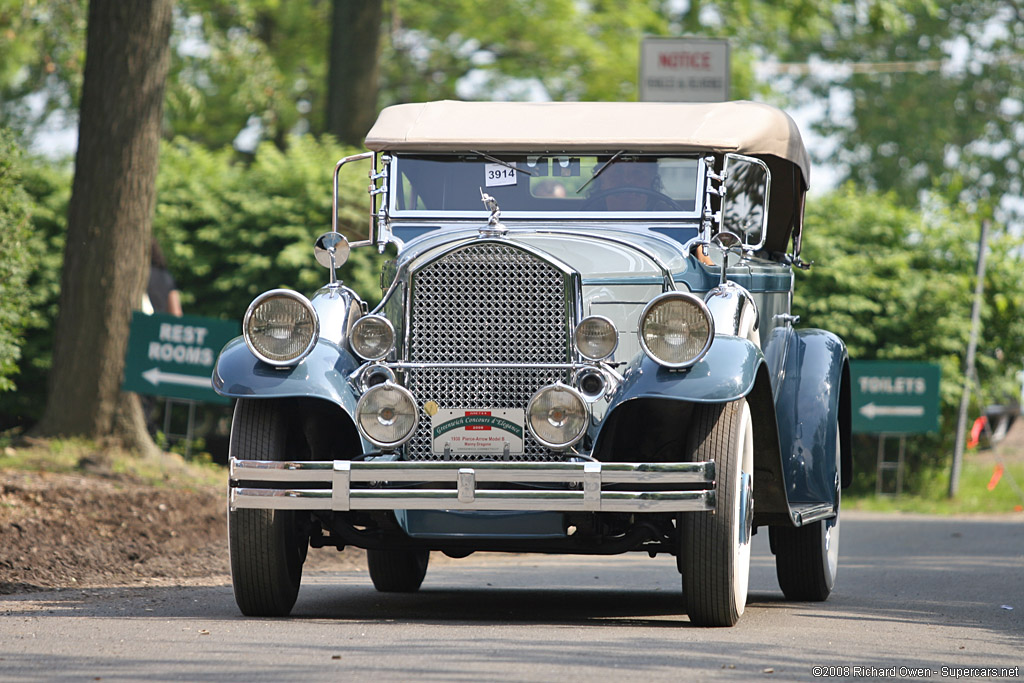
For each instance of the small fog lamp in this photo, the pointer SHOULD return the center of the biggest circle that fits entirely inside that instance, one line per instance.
(557, 416)
(596, 337)
(373, 337)
(387, 415)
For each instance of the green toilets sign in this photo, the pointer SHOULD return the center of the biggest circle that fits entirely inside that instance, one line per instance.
(174, 357)
(895, 397)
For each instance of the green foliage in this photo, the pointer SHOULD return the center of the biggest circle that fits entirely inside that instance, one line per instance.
(15, 262)
(264, 60)
(43, 48)
(898, 284)
(232, 231)
(230, 227)
(263, 63)
(942, 110)
(48, 189)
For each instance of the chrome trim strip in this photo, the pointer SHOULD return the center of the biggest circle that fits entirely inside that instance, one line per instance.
(426, 499)
(410, 365)
(585, 483)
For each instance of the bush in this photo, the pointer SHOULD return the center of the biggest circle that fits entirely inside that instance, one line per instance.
(231, 227)
(47, 189)
(16, 258)
(898, 284)
(232, 230)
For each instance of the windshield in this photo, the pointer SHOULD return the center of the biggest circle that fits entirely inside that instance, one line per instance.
(586, 186)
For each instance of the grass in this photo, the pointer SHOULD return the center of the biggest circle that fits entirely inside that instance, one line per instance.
(78, 456)
(973, 496)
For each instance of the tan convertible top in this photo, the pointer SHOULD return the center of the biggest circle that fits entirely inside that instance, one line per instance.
(451, 126)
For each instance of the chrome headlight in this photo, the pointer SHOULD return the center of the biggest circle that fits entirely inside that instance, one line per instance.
(557, 416)
(280, 327)
(372, 337)
(676, 329)
(387, 415)
(596, 337)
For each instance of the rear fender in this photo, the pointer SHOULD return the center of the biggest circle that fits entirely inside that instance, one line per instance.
(813, 396)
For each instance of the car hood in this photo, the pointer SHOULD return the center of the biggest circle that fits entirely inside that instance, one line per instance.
(598, 254)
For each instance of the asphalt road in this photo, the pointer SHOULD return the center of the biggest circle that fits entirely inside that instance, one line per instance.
(915, 595)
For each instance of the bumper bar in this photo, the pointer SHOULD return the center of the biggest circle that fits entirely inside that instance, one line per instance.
(663, 487)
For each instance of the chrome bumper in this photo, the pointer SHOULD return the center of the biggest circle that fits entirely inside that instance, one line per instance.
(674, 487)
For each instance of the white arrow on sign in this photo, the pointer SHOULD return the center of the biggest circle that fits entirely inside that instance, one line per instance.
(155, 376)
(871, 411)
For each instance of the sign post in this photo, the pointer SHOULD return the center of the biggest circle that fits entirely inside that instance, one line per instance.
(684, 70)
(174, 357)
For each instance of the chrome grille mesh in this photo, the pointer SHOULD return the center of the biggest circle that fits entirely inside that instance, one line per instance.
(487, 303)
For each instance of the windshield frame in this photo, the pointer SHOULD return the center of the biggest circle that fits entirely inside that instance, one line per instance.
(486, 156)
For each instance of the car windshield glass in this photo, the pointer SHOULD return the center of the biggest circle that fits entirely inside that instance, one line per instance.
(533, 185)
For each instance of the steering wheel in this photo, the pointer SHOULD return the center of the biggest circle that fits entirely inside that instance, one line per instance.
(658, 196)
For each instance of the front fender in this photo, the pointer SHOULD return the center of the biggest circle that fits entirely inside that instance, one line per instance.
(813, 397)
(725, 374)
(322, 374)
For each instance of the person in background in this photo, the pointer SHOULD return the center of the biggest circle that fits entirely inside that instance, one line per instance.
(162, 291)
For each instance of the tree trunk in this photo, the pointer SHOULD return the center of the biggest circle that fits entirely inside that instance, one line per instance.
(352, 69)
(110, 215)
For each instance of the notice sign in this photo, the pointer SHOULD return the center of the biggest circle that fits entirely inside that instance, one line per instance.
(174, 357)
(491, 431)
(684, 70)
(895, 397)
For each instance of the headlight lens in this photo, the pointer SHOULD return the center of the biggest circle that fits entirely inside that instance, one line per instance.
(557, 416)
(387, 415)
(280, 327)
(676, 329)
(372, 337)
(596, 337)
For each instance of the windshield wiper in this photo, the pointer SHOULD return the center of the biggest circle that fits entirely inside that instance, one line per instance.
(506, 164)
(600, 170)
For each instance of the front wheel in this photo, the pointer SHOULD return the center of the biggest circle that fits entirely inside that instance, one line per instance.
(807, 557)
(714, 550)
(267, 547)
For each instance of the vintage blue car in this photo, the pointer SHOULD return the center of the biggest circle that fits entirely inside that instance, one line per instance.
(585, 346)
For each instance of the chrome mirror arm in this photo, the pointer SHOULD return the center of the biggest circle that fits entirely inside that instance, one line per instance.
(381, 176)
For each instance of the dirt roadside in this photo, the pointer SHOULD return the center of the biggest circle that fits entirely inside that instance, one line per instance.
(63, 531)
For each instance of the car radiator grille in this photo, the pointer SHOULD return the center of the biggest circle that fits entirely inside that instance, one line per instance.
(486, 303)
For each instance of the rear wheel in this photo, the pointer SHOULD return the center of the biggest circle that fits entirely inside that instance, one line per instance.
(268, 547)
(397, 571)
(807, 557)
(714, 552)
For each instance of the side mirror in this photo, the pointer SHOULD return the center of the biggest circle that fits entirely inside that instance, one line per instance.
(728, 242)
(745, 204)
(331, 251)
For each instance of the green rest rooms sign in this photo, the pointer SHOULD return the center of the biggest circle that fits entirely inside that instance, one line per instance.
(895, 397)
(174, 357)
